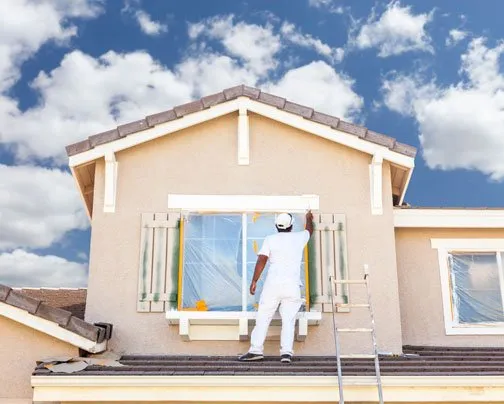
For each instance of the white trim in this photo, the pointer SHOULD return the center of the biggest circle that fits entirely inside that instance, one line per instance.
(449, 218)
(50, 328)
(81, 191)
(243, 203)
(405, 186)
(266, 388)
(110, 183)
(243, 137)
(244, 262)
(444, 246)
(376, 184)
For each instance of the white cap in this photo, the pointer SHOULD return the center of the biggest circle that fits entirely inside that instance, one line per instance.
(284, 221)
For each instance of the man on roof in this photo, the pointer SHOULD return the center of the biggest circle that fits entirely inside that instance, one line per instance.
(284, 251)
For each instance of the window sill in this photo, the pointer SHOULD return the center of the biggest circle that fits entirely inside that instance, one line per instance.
(475, 330)
(232, 325)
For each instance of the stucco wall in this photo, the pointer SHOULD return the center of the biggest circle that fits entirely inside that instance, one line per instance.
(203, 160)
(20, 348)
(420, 288)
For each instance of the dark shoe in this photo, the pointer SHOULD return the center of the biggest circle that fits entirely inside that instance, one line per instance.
(286, 358)
(250, 357)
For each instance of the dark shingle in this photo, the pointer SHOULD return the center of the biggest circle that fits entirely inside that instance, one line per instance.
(132, 127)
(62, 317)
(297, 109)
(213, 99)
(162, 117)
(104, 137)
(27, 303)
(188, 108)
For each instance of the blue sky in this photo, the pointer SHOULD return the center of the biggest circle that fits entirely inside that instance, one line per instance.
(429, 75)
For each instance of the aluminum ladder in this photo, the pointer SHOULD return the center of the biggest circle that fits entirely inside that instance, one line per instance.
(372, 331)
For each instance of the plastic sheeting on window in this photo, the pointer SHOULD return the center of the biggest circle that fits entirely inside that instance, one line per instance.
(212, 260)
(476, 288)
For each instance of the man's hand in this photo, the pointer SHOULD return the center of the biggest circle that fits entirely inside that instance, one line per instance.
(309, 216)
(309, 222)
(253, 286)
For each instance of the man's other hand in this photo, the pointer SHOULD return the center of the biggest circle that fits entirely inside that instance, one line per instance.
(309, 216)
(253, 286)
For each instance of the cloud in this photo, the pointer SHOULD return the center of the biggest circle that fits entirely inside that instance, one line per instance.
(148, 25)
(290, 33)
(460, 125)
(309, 84)
(20, 268)
(396, 31)
(37, 207)
(31, 24)
(455, 36)
(328, 5)
(256, 45)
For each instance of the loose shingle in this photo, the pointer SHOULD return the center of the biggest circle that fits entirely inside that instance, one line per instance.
(132, 127)
(214, 99)
(104, 137)
(272, 100)
(23, 302)
(162, 117)
(359, 131)
(188, 108)
(380, 139)
(297, 109)
(233, 92)
(4, 291)
(62, 317)
(79, 147)
(325, 119)
(82, 328)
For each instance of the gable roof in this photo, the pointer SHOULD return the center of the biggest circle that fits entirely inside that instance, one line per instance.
(58, 322)
(230, 94)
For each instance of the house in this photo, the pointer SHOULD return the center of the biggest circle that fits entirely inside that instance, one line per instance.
(180, 201)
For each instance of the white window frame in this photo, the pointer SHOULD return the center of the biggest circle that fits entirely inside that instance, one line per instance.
(445, 247)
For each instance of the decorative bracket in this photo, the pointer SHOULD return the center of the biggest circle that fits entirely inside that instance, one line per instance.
(110, 183)
(243, 137)
(376, 183)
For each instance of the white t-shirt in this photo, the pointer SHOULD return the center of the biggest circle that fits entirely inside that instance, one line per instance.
(285, 253)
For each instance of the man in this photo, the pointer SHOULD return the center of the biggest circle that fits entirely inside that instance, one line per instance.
(284, 251)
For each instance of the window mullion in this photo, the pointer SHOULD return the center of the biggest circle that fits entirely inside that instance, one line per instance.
(501, 275)
(244, 262)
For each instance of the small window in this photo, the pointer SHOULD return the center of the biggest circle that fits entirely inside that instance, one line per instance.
(476, 287)
(218, 259)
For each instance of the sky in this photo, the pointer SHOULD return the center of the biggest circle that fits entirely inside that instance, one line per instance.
(427, 73)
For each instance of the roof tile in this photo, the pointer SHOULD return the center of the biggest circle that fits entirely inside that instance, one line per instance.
(359, 131)
(62, 317)
(162, 117)
(297, 109)
(188, 108)
(271, 99)
(4, 291)
(214, 99)
(132, 127)
(405, 149)
(104, 137)
(21, 301)
(380, 139)
(82, 328)
(251, 92)
(325, 119)
(233, 92)
(78, 147)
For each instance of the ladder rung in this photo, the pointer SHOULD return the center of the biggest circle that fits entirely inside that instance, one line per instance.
(344, 281)
(344, 305)
(358, 356)
(355, 330)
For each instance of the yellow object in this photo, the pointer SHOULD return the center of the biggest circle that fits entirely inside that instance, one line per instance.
(307, 279)
(181, 262)
(200, 306)
(255, 247)
(255, 217)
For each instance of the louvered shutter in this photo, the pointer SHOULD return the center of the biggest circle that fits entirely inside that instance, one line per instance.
(158, 266)
(328, 256)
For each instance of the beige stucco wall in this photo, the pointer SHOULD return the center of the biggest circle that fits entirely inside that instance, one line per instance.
(20, 348)
(420, 288)
(203, 160)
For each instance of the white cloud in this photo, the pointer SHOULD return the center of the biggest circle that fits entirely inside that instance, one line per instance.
(461, 125)
(396, 31)
(37, 207)
(254, 44)
(290, 33)
(23, 269)
(328, 5)
(148, 25)
(455, 36)
(27, 25)
(319, 86)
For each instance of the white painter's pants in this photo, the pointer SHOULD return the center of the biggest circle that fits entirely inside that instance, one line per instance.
(288, 296)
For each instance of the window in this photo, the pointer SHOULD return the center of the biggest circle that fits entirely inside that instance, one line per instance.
(218, 260)
(472, 276)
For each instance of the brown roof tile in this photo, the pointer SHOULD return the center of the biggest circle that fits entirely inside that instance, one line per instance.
(72, 300)
(230, 94)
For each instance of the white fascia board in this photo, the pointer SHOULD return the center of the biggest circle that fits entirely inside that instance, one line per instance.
(449, 218)
(243, 137)
(48, 327)
(243, 203)
(81, 192)
(274, 388)
(110, 192)
(326, 132)
(468, 244)
(154, 133)
(376, 184)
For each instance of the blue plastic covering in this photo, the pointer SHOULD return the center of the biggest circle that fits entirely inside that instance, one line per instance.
(212, 261)
(476, 289)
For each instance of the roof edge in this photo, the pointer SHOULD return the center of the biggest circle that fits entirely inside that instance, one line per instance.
(468, 218)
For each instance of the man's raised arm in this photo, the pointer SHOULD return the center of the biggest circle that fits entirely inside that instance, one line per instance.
(309, 222)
